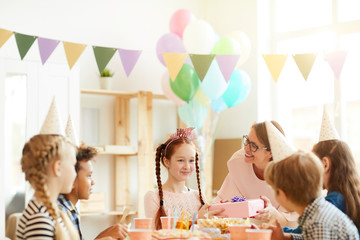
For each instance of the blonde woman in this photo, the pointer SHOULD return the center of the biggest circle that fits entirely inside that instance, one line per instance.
(48, 161)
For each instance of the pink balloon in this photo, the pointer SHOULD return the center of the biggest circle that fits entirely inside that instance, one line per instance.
(169, 43)
(179, 20)
(165, 84)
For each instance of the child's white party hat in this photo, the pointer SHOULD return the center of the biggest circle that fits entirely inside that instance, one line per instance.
(328, 130)
(281, 147)
(70, 132)
(52, 124)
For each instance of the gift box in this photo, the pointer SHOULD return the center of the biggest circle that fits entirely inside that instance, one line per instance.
(242, 209)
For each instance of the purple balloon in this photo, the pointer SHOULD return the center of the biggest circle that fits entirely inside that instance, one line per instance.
(169, 42)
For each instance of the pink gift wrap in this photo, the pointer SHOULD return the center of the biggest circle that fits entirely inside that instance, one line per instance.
(243, 209)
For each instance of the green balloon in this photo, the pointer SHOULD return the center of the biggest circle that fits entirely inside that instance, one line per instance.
(186, 83)
(226, 45)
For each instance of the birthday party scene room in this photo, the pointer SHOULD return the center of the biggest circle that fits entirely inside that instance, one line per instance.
(179, 119)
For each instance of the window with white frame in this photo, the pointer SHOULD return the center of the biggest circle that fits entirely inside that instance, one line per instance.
(306, 26)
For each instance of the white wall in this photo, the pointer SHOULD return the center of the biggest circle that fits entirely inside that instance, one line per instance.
(136, 24)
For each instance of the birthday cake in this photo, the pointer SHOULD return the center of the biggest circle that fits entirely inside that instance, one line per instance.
(239, 207)
(165, 234)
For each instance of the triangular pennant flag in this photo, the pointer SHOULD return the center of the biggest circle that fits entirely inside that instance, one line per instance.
(174, 62)
(73, 51)
(305, 63)
(275, 64)
(103, 56)
(129, 59)
(201, 63)
(281, 147)
(46, 48)
(70, 132)
(336, 61)
(227, 64)
(328, 130)
(4, 36)
(52, 124)
(201, 97)
(24, 43)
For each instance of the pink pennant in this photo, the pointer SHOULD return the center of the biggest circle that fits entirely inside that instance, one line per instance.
(129, 59)
(336, 61)
(46, 48)
(227, 64)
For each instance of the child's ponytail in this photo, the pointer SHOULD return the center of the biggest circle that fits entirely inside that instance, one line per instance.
(198, 178)
(161, 211)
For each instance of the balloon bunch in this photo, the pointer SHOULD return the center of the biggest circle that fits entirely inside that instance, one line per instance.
(196, 37)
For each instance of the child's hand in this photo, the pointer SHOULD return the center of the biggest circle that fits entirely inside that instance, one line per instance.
(269, 212)
(277, 231)
(205, 213)
(117, 231)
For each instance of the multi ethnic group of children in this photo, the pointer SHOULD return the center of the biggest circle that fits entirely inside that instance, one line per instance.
(290, 182)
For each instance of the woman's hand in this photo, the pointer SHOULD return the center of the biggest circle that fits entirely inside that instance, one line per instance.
(270, 212)
(205, 213)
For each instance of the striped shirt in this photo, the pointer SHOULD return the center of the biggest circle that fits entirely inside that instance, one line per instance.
(322, 220)
(36, 223)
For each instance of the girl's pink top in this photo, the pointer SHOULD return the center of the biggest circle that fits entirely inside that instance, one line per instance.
(242, 181)
(188, 201)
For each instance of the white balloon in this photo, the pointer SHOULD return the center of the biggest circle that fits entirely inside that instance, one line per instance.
(245, 46)
(199, 37)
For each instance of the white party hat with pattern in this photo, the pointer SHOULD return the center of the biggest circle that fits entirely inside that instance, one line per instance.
(328, 130)
(52, 124)
(70, 132)
(281, 147)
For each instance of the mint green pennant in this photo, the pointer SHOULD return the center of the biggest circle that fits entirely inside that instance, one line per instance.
(103, 56)
(24, 43)
(201, 63)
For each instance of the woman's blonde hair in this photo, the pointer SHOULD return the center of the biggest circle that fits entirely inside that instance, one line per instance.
(38, 153)
(344, 177)
(299, 176)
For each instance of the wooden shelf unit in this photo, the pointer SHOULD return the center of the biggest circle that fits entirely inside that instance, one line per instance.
(145, 153)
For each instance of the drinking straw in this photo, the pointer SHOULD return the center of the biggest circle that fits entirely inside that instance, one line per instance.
(182, 219)
(175, 216)
(193, 223)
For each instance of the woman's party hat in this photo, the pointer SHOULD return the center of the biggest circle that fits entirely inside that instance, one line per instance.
(281, 147)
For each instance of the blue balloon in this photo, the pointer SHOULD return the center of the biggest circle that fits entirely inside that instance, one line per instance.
(218, 105)
(238, 89)
(214, 84)
(193, 114)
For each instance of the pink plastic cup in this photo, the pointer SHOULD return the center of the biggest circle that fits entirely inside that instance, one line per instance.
(258, 234)
(237, 232)
(143, 223)
(165, 221)
(140, 234)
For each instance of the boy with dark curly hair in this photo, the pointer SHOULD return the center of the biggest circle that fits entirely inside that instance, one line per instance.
(82, 188)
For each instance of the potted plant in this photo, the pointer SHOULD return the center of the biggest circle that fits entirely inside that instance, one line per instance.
(105, 79)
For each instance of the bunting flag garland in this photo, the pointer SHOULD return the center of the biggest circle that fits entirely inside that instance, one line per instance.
(305, 63)
(227, 64)
(73, 51)
(46, 48)
(174, 63)
(201, 97)
(275, 64)
(336, 61)
(201, 64)
(24, 43)
(103, 56)
(129, 59)
(4, 36)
